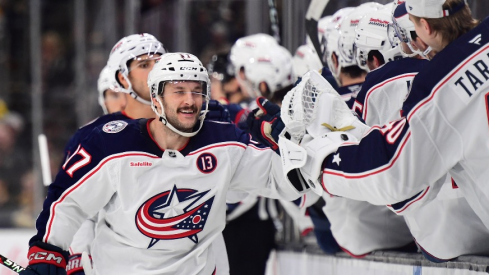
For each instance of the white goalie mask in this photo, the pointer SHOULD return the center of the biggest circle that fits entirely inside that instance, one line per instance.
(131, 48)
(372, 34)
(404, 30)
(178, 67)
(306, 59)
(106, 81)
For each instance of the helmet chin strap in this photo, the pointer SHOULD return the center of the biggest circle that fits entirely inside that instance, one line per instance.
(427, 52)
(139, 98)
(133, 93)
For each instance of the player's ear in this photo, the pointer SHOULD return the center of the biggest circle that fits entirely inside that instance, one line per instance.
(156, 103)
(426, 26)
(334, 58)
(376, 62)
(122, 80)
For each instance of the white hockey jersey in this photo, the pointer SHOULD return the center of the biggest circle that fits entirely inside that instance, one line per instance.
(445, 129)
(163, 208)
(438, 216)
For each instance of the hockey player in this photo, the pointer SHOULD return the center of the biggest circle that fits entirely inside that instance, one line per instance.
(262, 67)
(305, 59)
(132, 53)
(442, 128)
(358, 227)
(434, 218)
(339, 47)
(108, 99)
(132, 58)
(387, 83)
(162, 183)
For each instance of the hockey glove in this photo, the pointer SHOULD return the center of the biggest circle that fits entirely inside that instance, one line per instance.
(217, 112)
(76, 265)
(265, 124)
(46, 259)
(317, 150)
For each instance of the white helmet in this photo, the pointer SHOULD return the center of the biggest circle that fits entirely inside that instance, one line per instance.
(262, 60)
(306, 59)
(106, 81)
(245, 47)
(323, 24)
(129, 48)
(347, 33)
(371, 34)
(404, 30)
(330, 39)
(178, 67)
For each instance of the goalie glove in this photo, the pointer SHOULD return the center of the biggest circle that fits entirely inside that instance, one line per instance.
(305, 104)
(317, 149)
(46, 259)
(265, 124)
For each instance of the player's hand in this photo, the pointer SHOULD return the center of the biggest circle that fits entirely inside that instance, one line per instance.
(46, 259)
(75, 265)
(265, 124)
(217, 112)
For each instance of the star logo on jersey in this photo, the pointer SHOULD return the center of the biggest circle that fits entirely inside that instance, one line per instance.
(174, 214)
(337, 159)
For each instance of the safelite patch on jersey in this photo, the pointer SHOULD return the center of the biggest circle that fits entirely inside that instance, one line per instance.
(114, 126)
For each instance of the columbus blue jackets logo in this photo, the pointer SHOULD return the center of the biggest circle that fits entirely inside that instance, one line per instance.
(174, 214)
(114, 126)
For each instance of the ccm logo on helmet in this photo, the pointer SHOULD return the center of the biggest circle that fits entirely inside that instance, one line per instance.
(45, 256)
(188, 69)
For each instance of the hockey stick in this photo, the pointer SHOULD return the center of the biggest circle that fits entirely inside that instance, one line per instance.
(11, 264)
(45, 165)
(313, 14)
(274, 20)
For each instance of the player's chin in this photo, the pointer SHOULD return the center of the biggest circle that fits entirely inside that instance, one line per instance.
(187, 125)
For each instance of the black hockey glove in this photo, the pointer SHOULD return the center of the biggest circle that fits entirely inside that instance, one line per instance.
(265, 124)
(46, 259)
(217, 112)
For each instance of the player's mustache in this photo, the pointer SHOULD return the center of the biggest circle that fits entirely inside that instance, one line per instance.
(188, 108)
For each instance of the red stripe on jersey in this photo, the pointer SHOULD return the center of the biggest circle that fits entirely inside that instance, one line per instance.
(218, 145)
(369, 93)
(353, 255)
(406, 206)
(80, 182)
(438, 87)
(366, 174)
(258, 148)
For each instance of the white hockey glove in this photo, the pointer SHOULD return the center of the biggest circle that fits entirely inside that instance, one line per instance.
(317, 150)
(339, 117)
(313, 109)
